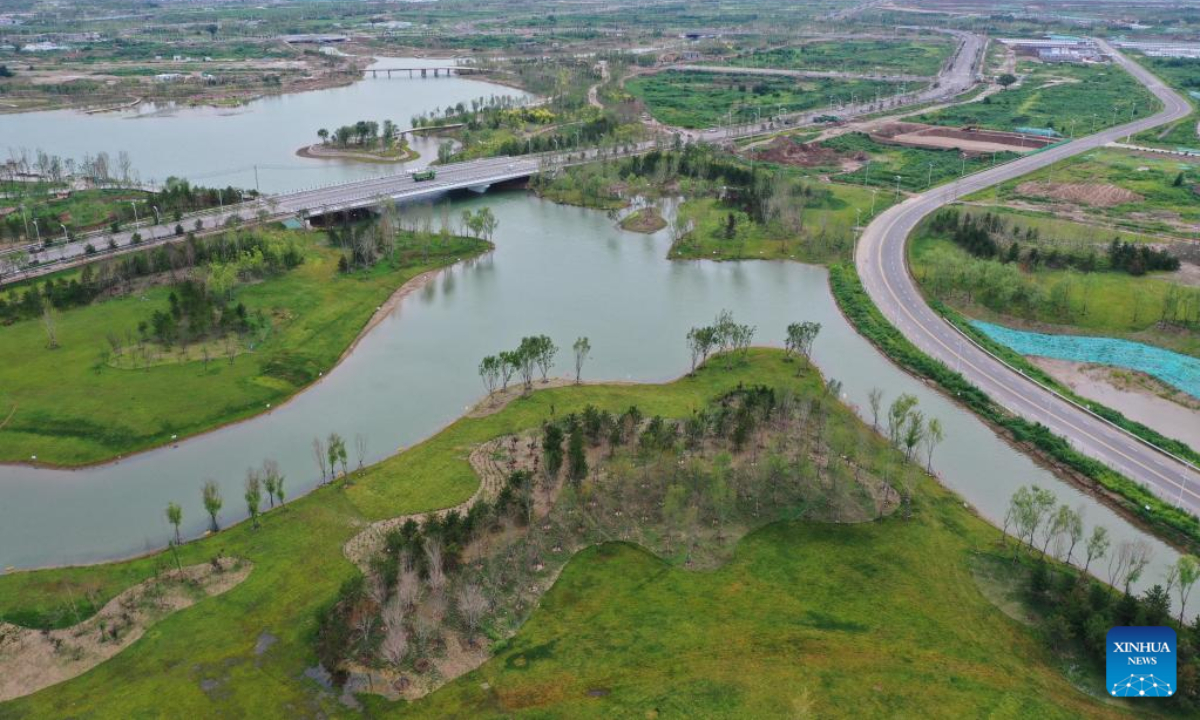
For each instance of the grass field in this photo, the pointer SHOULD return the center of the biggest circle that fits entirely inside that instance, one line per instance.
(97, 411)
(1159, 205)
(1071, 99)
(910, 57)
(825, 235)
(797, 623)
(1112, 304)
(701, 100)
(918, 168)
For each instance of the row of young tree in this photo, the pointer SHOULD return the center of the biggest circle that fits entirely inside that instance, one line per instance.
(363, 133)
(724, 336)
(1077, 609)
(534, 353)
(1005, 288)
(988, 236)
(394, 235)
(267, 478)
(243, 255)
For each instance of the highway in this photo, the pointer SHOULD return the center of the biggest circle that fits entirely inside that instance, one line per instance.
(882, 264)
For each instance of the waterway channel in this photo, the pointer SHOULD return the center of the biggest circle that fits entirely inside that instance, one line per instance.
(558, 270)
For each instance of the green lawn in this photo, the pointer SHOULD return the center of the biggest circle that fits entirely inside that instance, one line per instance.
(918, 168)
(879, 619)
(911, 57)
(701, 100)
(1072, 99)
(97, 411)
(826, 233)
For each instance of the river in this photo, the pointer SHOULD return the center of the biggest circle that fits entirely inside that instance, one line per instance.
(557, 270)
(221, 146)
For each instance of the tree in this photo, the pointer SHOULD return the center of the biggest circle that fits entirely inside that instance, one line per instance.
(253, 495)
(324, 135)
(897, 415)
(1127, 565)
(526, 356)
(577, 466)
(319, 455)
(544, 351)
(272, 480)
(1061, 524)
(1006, 79)
(471, 605)
(875, 400)
(934, 435)
(175, 517)
(699, 341)
(394, 645)
(552, 451)
(509, 361)
(800, 337)
(914, 432)
(211, 494)
(582, 348)
(489, 372)
(336, 448)
(1187, 572)
(1097, 545)
(211, 29)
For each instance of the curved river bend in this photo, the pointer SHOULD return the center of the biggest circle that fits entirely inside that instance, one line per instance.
(557, 270)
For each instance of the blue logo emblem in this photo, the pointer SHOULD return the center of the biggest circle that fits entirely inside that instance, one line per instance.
(1141, 662)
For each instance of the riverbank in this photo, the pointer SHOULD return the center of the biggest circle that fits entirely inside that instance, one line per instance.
(321, 151)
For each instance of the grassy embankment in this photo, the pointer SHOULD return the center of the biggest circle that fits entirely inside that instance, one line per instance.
(620, 633)
(702, 100)
(909, 57)
(98, 410)
(1071, 99)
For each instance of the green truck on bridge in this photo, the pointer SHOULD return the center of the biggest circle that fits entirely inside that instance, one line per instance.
(426, 174)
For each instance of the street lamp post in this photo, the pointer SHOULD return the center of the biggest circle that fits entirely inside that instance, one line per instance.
(37, 230)
(66, 237)
(898, 187)
(157, 220)
(873, 192)
(929, 178)
(133, 205)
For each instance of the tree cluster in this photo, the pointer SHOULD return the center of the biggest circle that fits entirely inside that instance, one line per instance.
(535, 353)
(1078, 610)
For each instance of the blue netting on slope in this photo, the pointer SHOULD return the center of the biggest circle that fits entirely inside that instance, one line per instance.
(1179, 371)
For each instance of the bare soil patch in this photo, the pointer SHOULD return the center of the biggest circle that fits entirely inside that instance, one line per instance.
(786, 151)
(1094, 194)
(34, 659)
(966, 139)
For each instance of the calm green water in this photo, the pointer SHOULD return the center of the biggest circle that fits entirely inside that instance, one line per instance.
(556, 270)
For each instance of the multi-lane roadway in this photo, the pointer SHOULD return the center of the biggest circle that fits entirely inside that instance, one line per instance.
(882, 264)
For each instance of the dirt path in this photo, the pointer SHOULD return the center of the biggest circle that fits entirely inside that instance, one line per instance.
(34, 659)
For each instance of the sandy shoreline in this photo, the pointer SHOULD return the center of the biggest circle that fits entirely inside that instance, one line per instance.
(1135, 396)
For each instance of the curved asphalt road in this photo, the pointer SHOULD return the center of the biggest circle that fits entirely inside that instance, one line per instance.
(882, 264)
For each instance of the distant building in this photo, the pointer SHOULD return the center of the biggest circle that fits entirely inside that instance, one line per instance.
(44, 46)
(168, 77)
(313, 38)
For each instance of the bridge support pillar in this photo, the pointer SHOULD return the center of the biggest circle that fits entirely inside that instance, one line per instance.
(424, 72)
(481, 189)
